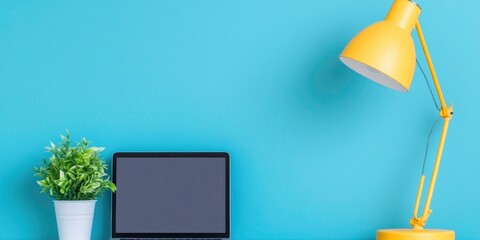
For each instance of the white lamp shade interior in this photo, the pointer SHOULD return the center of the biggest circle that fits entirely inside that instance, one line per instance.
(373, 74)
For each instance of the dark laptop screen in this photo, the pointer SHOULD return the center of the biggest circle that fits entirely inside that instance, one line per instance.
(171, 194)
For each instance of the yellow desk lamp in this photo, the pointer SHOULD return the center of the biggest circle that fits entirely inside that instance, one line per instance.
(384, 52)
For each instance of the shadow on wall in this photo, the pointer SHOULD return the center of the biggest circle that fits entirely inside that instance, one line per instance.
(101, 221)
(37, 208)
(330, 92)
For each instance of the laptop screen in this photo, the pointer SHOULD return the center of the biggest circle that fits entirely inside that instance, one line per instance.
(171, 195)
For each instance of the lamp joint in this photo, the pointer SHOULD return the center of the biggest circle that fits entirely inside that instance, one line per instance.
(419, 223)
(447, 112)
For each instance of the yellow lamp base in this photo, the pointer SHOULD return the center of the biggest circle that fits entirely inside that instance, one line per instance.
(415, 234)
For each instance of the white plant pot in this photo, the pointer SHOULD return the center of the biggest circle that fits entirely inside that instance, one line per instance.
(74, 219)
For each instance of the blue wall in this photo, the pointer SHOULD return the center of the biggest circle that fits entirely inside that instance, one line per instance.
(317, 151)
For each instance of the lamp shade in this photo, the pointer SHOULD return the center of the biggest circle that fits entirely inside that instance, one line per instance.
(384, 52)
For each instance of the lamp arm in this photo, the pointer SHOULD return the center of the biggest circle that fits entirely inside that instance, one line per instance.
(446, 113)
(430, 65)
(420, 222)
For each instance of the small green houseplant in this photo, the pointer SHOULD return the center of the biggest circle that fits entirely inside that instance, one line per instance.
(74, 172)
(74, 176)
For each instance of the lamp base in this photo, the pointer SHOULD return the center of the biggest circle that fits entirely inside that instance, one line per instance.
(415, 234)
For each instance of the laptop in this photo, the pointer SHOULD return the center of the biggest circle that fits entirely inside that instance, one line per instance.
(174, 195)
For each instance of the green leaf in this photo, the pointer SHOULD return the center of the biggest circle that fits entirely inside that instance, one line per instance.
(97, 149)
(62, 175)
(73, 172)
(71, 175)
(41, 183)
(64, 139)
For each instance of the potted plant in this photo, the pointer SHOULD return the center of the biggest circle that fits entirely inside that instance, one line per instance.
(74, 176)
